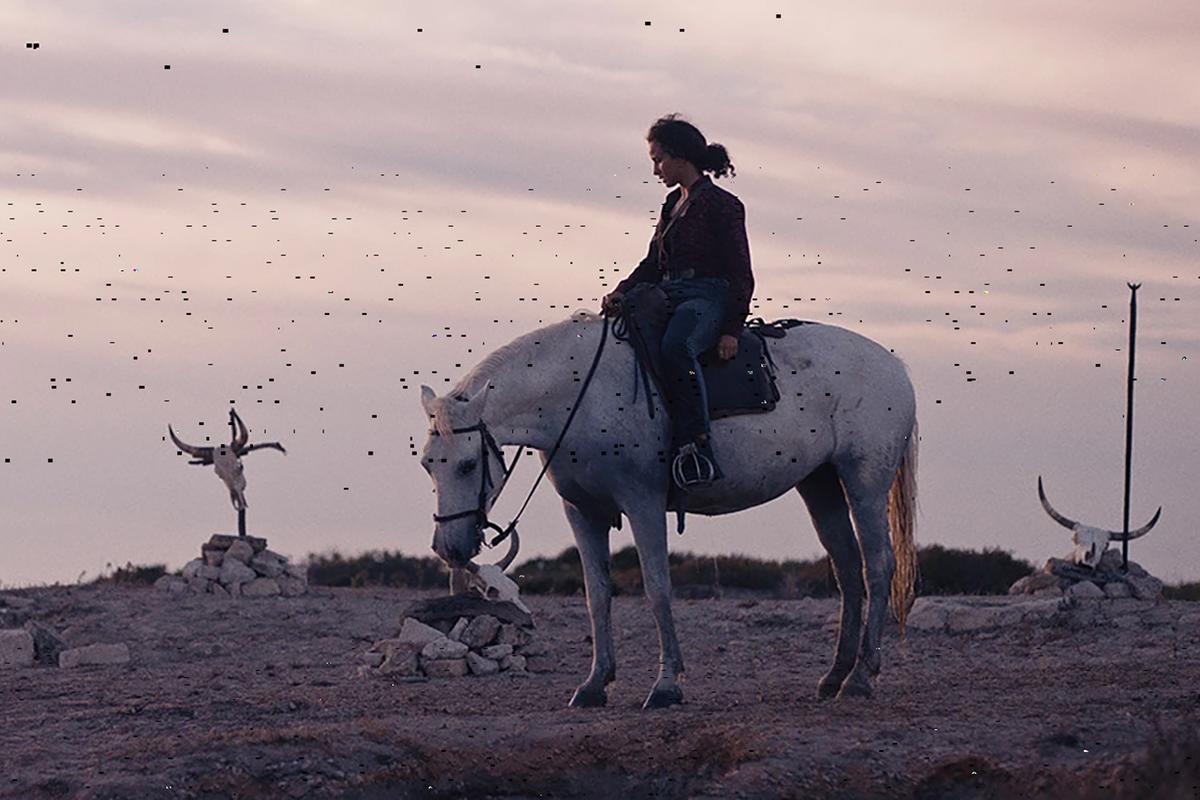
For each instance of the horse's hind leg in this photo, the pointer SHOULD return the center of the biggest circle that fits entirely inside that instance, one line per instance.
(822, 493)
(591, 537)
(867, 495)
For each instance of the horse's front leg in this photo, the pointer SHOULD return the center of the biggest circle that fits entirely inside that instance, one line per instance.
(650, 536)
(591, 537)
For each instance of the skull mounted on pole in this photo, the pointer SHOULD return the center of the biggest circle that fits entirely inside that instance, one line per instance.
(227, 461)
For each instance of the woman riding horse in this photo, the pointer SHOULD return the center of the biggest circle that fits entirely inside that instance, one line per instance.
(699, 256)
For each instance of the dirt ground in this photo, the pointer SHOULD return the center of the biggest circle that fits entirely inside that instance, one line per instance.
(261, 698)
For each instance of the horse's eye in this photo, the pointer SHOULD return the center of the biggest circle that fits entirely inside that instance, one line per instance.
(466, 467)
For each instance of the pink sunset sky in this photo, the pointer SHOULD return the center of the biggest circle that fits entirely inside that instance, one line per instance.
(326, 206)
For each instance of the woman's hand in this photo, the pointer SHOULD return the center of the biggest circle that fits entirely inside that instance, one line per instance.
(611, 304)
(727, 347)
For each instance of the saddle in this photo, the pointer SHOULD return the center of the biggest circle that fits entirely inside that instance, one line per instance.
(745, 384)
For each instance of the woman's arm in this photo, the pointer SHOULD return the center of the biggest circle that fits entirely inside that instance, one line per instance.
(735, 254)
(645, 272)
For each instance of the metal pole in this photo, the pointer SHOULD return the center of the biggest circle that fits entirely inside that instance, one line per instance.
(1133, 287)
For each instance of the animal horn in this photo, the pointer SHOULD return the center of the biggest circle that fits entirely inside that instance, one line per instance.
(198, 452)
(242, 435)
(1117, 536)
(1057, 517)
(505, 562)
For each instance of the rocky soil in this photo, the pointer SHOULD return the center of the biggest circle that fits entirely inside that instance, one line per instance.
(261, 697)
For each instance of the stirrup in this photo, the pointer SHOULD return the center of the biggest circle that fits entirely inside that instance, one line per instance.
(692, 468)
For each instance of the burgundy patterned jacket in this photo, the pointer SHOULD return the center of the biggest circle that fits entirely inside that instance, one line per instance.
(707, 241)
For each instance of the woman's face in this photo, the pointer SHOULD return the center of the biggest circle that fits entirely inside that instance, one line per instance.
(666, 167)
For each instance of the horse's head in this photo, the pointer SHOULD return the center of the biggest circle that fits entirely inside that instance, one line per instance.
(467, 470)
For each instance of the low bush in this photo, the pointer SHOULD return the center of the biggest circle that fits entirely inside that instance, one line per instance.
(376, 568)
(132, 575)
(950, 570)
(1183, 591)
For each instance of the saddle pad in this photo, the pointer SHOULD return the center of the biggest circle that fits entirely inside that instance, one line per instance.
(744, 384)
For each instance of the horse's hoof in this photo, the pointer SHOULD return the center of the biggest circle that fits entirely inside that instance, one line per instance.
(854, 688)
(828, 688)
(663, 698)
(589, 698)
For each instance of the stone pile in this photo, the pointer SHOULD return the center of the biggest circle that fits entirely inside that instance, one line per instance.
(457, 636)
(35, 644)
(240, 566)
(1062, 577)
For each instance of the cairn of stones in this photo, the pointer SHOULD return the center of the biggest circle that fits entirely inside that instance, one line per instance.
(35, 644)
(238, 566)
(1063, 577)
(459, 636)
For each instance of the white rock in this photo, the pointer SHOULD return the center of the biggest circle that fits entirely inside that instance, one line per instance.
(927, 614)
(460, 625)
(418, 633)
(198, 585)
(1117, 590)
(296, 571)
(94, 654)
(1019, 586)
(402, 662)
(482, 666)
(16, 648)
(192, 568)
(209, 572)
(443, 649)
(268, 564)
(240, 551)
(177, 586)
(1144, 587)
(481, 631)
(497, 651)
(260, 587)
(234, 571)
(1085, 590)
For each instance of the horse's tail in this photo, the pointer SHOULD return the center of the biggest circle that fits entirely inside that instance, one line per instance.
(902, 506)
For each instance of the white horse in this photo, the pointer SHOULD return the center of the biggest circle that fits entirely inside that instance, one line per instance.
(843, 434)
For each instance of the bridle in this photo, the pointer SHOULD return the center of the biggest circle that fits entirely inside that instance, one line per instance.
(488, 442)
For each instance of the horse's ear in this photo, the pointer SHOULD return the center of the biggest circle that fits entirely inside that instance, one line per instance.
(428, 399)
(478, 401)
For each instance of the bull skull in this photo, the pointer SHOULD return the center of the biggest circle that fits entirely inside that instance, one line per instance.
(227, 458)
(1090, 543)
(490, 581)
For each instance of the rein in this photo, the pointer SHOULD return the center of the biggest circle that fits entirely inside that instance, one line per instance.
(487, 441)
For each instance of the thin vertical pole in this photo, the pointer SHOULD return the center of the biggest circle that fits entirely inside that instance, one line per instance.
(1133, 287)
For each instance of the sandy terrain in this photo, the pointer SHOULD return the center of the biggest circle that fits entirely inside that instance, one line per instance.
(261, 698)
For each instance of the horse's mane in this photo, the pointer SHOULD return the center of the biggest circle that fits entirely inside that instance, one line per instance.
(474, 380)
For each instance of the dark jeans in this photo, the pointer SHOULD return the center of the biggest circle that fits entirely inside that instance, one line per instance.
(698, 307)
